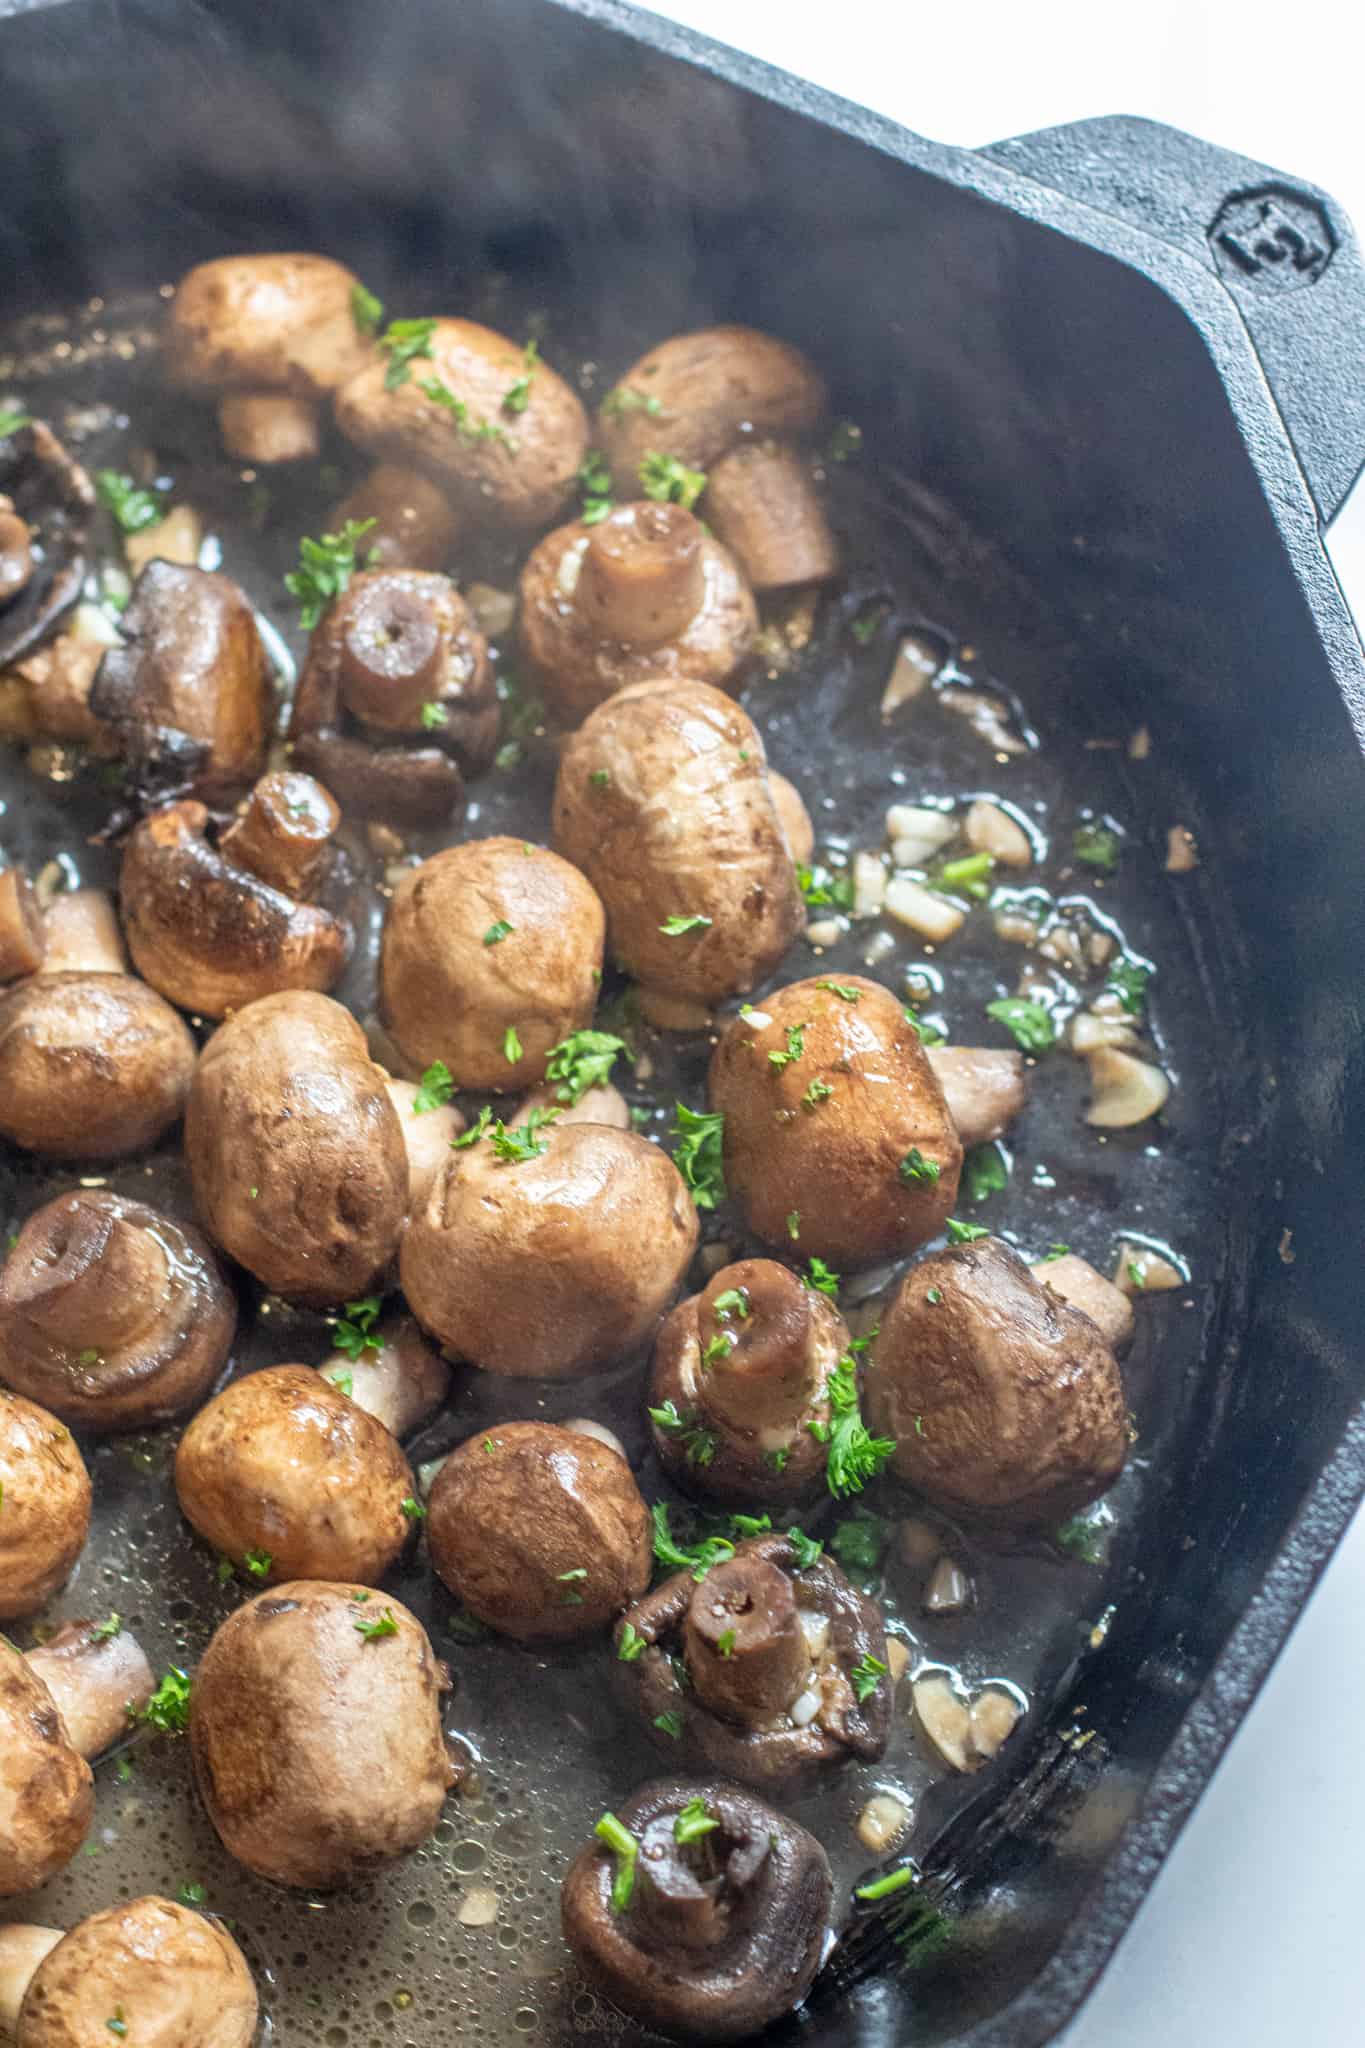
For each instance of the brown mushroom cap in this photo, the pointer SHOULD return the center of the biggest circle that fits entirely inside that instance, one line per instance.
(872, 1167)
(92, 1066)
(452, 993)
(552, 1266)
(722, 1936)
(1003, 1399)
(111, 1314)
(269, 323)
(187, 692)
(44, 1505)
(317, 1749)
(51, 498)
(178, 1979)
(683, 825)
(746, 1382)
(642, 596)
(540, 1531)
(762, 501)
(735, 1639)
(415, 524)
(519, 475)
(295, 1149)
(282, 1463)
(47, 1794)
(711, 387)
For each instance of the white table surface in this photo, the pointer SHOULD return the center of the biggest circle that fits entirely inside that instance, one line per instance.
(1250, 1937)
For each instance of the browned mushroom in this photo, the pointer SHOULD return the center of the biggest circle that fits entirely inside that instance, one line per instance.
(982, 1086)
(59, 1707)
(739, 1376)
(48, 500)
(718, 1929)
(643, 595)
(23, 940)
(282, 1473)
(273, 334)
(295, 1149)
(187, 693)
(694, 396)
(412, 523)
(450, 417)
(762, 501)
(394, 1376)
(1108, 1307)
(315, 1732)
(396, 697)
(44, 1505)
(158, 1973)
(1004, 1400)
(214, 925)
(761, 1667)
(539, 1531)
(112, 1315)
(92, 1066)
(46, 695)
(492, 955)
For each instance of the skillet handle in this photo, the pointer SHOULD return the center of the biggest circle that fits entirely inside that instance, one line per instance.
(1284, 251)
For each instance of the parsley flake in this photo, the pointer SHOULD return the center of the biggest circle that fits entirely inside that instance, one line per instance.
(325, 570)
(1028, 1023)
(699, 1157)
(403, 341)
(671, 482)
(435, 1088)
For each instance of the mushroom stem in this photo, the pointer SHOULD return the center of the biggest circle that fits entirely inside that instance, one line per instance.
(401, 1384)
(766, 1376)
(743, 1644)
(1107, 1306)
(22, 938)
(21, 1951)
(94, 1677)
(284, 835)
(690, 1892)
(427, 1138)
(762, 504)
(94, 1281)
(83, 934)
(983, 1088)
(642, 579)
(269, 426)
(393, 654)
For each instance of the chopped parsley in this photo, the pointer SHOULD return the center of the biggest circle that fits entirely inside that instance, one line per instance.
(725, 1643)
(820, 887)
(571, 1581)
(733, 1302)
(927, 1034)
(968, 876)
(750, 1525)
(353, 1333)
(915, 1166)
(1096, 846)
(594, 481)
(1128, 980)
(776, 1460)
(104, 1631)
(1028, 1023)
(518, 394)
(582, 1061)
(821, 1277)
(860, 1543)
(469, 428)
(718, 1348)
(631, 1645)
(699, 1157)
(435, 1088)
(511, 1045)
(793, 1049)
(496, 933)
(675, 926)
(412, 1508)
(794, 1225)
(866, 1675)
(693, 1822)
(257, 1562)
(624, 399)
(882, 1887)
(403, 341)
(816, 1093)
(117, 2025)
(325, 569)
(478, 1129)
(670, 481)
(933, 1295)
(625, 1850)
(513, 1148)
(807, 1548)
(670, 1724)
(844, 990)
(10, 422)
(1055, 1252)
(984, 1172)
(864, 627)
(373, 1631)
(344, 1382)
(168, 1709)
(600, 778)
(366, 310)
(699, 1445)
(433, 716)
(696, 1558)
(965, 1233)
(853, 1456)
(1082, 1538)
(132, 508)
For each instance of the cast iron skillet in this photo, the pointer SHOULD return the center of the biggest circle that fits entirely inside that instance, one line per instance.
(1134, 363)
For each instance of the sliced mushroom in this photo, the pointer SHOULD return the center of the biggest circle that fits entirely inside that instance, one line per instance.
(1124, 1090)
(762, 502)
(23, 940)
(982, 1086)
(49, 500)
(44, 1505)
(92, 1066)
(412, 523)
(162, 1973)
(694, 396)
(112, 1315)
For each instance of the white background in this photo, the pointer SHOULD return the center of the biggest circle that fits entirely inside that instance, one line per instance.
(1251, 1937)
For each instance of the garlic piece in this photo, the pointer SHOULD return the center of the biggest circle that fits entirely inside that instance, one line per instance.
(1182, 851)
(995, 1716)
(478, 1907)
(1124, 1090)
(916, 833)
(932, 917)
(949, 1590)
(1140, 745)
(92, 622)
(815, 1628)
(882, 1823)
(1142, 1271)
(869, 884)
(897, 1660)
(944, 1717)
(804, 1709)
(826, 931)
(915, 666)
(986, 717)
(176, 538)
(991, 829)
(1089, 1032)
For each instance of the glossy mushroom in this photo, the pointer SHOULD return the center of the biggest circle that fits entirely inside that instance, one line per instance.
(112, 1315)
(44, 1505)
(216, 920)
(285, 1475)
(644, 595)
(1004, 1400)
(695, 395)
(315, 1733)
(92, 1066)
(295, 1150)
(763, 1668)
(762, 502)
(412, 523)
(739, 1375)
(45, 695)
(396, 697)
(46, 502)
(492, 954)
(722, 1926)
(834, 1115)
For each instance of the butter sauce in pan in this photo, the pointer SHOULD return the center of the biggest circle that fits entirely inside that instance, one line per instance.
(596, 1054)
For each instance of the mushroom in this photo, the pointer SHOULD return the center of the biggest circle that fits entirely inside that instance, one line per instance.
(695, 395)
(46, 695)
(285, 1475)
(272, 335)
(539, 1531)
(1108, 1306)
(762, 501)
(597, 1105)
(112, 1315)
(315, 1733)
(394, 1375)
(46, 500)
(833, 1113)
(295, 1149)
(92, 1066)
(739, 1378)
(428, 1134)
(216, 921)
(187, 693)
(453, 413)
(551, 1252)
(23, 940)
(982, 1086)
(644, 595)
(160, 1974)
(44, 1505)
(412, 524)
(59, 1707)
(713, 1923)
(1004, 1400)
(662, 799)
(82, 934)
(492, 954)
(794, 817)
(396, 697)
(759, 1667)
